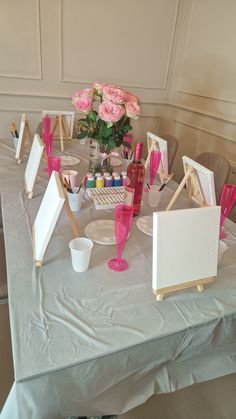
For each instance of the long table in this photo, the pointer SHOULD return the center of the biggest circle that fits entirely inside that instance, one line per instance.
(98, 342)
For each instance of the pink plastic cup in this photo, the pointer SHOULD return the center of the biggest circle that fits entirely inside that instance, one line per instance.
(71, 176)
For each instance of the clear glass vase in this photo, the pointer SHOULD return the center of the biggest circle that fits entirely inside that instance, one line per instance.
(98, 162)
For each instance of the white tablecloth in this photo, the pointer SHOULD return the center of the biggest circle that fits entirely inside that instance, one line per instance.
(99, 342)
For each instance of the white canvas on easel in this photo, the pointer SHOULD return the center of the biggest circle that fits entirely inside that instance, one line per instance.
(63, 124)
(156, 143)
(53, 200)
(24, 126)
(47, 216)
(200, 184)
(185, 249)
(33, 165)
(205, 177)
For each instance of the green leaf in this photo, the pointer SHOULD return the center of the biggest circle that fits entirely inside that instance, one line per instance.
(111, 143)
(106, 131)
(82, 135)
(92, 116)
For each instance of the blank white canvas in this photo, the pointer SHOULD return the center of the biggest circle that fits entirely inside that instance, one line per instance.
(69, 116)
(47, 215)
(205, 177)
(163, 147)
(185, 245)
(33, 163)
(21, 133)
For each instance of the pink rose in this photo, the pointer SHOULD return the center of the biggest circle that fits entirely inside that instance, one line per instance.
(132, 110)
(89, 92)
(129, 97)
(83, 104)
(113, 94)
(100, 86)
(110, 112)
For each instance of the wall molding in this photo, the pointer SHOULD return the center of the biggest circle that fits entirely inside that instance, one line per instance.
(65, 79)
(205, 130)
(39, 74)
(193, 92)
(202, 112)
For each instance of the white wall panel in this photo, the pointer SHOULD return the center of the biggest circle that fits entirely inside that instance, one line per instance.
(20, 45)
(209, 65)
(127, 42)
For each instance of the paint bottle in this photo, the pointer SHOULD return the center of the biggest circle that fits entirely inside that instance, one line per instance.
(123, 180)
(106, 174)
(108, 181)
(98, 174)
(99, 182)
(90, 182)
(117, 180)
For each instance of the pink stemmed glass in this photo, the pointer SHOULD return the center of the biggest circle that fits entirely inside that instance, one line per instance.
(123, 221)
(48, 137)
(155, 157)
(227, 201)
(54, 163)
(46, 123)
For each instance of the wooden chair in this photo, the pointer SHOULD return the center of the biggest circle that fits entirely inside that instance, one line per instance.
(172, 143)
(217, 164)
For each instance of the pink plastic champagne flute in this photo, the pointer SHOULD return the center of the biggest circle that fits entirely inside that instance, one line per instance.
(46, 122)
(155, 157)
(123, 221)
(227, 201)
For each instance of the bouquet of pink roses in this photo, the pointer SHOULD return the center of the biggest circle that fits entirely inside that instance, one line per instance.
(107, 111)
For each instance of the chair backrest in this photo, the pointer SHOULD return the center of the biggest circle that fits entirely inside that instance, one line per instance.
(3, 273)
(217, 164)
(172, 144)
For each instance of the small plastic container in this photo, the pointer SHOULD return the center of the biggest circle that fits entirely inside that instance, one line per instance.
(123, 180)
(97, 174)
(114, 174)
(90, 182)
(117, 180)
(106, 174)
(99, 182)
(108, 181)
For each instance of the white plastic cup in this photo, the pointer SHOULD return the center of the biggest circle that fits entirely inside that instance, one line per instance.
(80, 249)
(71, 176)
(154, 196)
(75, 199)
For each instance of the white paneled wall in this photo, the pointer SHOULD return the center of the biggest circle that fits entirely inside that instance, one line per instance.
(177, 56)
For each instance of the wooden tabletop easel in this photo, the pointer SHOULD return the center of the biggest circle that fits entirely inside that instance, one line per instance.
(59, 122)
(193, 186)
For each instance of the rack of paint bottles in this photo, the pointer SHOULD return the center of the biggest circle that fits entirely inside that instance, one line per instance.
(106, 190)
(106, 180)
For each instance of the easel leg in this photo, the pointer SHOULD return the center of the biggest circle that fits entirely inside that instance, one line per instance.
(179, 189)
(64, 129)
(60, 131)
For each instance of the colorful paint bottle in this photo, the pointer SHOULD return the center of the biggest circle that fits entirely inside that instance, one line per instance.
(90, 182)
(108, 181)
(117, 180)
(123, 180)
(98, 174)
(99, 182)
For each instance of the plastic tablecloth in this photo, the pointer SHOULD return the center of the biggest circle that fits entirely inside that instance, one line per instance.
(98, 342)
